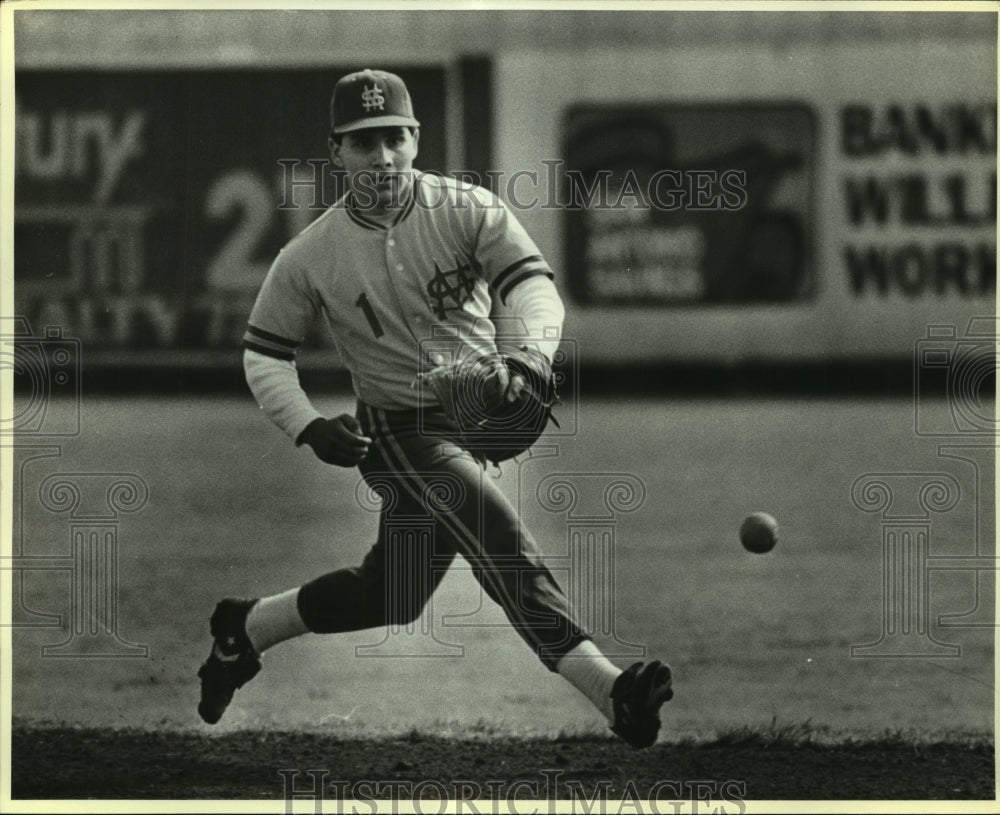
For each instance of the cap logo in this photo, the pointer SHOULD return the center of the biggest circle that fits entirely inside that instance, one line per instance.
(373, 99)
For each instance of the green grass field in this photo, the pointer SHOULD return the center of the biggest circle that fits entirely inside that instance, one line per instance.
(758, 643)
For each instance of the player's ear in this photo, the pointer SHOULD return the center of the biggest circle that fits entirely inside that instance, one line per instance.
(416, 140)
(335, 156)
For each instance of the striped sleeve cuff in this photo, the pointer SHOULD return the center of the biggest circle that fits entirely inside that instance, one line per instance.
(526, 267)
(268, 344)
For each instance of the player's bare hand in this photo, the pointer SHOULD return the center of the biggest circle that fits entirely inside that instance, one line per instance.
(510, 386)
(516, 387)
(337, 441)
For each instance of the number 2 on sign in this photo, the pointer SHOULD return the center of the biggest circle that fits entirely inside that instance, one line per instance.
(366, 307)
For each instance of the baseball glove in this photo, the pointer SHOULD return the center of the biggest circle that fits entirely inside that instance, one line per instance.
(474, 394)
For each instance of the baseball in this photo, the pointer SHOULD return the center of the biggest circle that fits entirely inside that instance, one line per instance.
(759, 533)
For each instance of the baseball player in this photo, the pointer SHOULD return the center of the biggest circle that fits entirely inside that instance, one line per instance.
(401, 258)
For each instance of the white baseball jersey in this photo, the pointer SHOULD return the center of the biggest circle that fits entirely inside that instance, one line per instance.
(389, 291)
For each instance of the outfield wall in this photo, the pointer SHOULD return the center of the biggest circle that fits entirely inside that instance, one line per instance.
(826, 182)
(869, 210)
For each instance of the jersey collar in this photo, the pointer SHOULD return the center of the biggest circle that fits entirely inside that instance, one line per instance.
(364, 221)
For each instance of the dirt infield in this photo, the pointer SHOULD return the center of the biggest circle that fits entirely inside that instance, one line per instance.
(80, 763)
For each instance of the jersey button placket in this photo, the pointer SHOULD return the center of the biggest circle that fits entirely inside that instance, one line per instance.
(392, 264)
(390, 244)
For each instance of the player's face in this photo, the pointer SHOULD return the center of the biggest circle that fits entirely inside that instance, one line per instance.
(378, 162)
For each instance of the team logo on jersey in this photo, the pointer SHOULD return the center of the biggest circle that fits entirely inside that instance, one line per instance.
(372, 98)
(450, 290)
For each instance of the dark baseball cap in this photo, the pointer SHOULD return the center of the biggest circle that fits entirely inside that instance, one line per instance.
(371, 99)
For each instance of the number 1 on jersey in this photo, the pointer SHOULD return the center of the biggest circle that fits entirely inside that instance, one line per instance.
(366, 307)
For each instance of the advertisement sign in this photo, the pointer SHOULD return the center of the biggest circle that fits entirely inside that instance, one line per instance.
(818, 201)
(149, 205)
(689, 204)
(919, 197)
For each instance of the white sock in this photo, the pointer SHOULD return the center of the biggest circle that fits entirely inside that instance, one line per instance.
(275, 619)
(591, 673)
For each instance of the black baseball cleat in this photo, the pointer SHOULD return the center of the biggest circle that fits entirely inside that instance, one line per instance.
(232, 662)
(637, 696)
